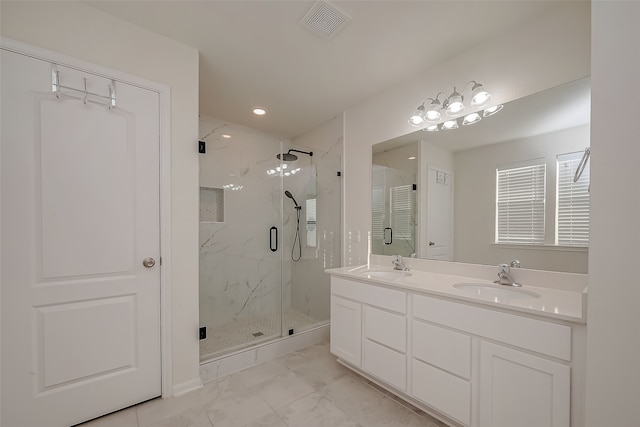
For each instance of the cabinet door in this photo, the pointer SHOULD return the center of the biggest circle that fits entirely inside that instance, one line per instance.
(519, 389)
(346, 330)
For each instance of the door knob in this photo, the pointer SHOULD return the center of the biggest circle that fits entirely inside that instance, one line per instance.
(432, 243)
(148, 262)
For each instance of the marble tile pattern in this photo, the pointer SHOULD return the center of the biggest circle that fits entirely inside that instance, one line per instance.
(305, 388)
(240, 277)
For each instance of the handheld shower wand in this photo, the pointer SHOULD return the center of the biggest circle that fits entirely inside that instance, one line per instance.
(297, 237)
(289, 195)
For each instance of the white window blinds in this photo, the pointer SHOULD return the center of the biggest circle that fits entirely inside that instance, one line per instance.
(402, 211)
(572, 208)
(377, 213)
(312, 223)
(520, 204)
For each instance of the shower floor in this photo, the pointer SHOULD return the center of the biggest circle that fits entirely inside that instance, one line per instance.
(239, 333)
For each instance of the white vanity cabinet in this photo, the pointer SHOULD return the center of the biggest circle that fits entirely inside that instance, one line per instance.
(468, 364)
(380, 330)
(524, 381)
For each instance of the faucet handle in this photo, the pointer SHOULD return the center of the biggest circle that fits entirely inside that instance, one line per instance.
(503, 268)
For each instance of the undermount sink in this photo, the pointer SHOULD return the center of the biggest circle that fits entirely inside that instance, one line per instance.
(501, 292)
(386, 274)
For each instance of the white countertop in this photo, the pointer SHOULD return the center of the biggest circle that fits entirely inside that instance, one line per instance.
(559, 304)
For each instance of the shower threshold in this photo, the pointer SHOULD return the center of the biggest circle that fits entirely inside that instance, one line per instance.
(239, 334)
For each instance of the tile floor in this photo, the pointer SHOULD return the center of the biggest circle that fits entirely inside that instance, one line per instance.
(306, 388)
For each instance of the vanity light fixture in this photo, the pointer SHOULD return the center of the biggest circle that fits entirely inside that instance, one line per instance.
(432, 109)
(492, 110)
(470, 119)
(454, 104)
(450, 124)
(418, 116)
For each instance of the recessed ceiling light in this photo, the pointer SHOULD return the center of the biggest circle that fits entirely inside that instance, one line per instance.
(259, 111)
(412, 158)
(226, 136)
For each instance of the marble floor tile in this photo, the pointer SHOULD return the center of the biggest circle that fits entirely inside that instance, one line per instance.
(315, 410)
(237, 409)
(271, 420)
(124, 418)
(316, 365)
(369, 406)
(284, 389)
(157, 410)
(194, 417)
(305, 388)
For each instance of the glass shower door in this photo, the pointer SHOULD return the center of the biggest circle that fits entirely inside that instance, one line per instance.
(240, 245)
(393, 212)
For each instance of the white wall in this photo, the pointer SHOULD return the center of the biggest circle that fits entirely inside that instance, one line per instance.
(398, 158)
(475, 196)
(613, 341)
(83, 32)
(547, 53)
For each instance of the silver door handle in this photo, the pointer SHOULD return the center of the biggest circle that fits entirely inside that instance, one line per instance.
(148, 262)
(432, 243)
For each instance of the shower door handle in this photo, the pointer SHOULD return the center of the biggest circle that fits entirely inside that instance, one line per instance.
(390, 236)
(273, 231)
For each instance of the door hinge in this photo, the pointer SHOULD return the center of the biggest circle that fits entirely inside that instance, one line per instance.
(160, 260)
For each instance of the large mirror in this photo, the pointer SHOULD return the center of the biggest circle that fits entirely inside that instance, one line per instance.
(502, 190)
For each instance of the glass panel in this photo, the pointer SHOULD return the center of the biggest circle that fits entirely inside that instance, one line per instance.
(240, 276)
(393, 211)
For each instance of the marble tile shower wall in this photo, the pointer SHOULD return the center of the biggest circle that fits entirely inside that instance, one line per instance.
(239, 275)
(311, 285)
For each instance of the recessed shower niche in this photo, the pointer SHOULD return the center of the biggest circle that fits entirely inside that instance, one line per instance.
(211, 204)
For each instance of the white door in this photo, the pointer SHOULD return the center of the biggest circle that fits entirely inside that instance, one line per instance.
(440, 215)
(80, 213)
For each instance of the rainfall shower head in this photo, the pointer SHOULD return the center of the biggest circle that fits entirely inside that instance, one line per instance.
(289, 195)
(288, 157)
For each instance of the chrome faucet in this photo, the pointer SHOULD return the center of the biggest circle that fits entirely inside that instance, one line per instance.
(504, 276)
(398, 264)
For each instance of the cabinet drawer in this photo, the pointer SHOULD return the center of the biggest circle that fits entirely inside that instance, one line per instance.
(446, 349)
(386, 328)
(378, 296)
(385, 363)
(443, 391)
(543, 337)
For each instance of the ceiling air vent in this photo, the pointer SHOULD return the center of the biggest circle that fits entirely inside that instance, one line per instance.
(325, 20)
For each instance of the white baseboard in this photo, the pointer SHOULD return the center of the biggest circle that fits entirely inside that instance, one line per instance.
(186, 387)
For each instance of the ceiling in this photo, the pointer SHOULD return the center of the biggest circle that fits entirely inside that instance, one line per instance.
(256, 53)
